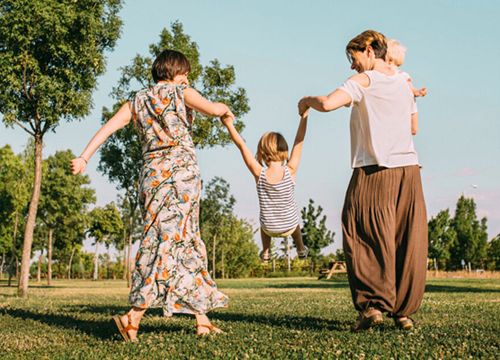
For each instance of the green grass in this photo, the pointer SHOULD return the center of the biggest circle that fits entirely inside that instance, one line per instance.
(268, 318)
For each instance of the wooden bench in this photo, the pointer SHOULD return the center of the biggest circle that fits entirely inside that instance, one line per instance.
(336, 267)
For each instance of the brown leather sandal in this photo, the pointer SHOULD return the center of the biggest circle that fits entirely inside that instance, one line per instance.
(404, 322)
(125, 329)
(367, 319)
(210, 327)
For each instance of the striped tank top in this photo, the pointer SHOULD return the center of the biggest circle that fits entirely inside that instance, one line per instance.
(278, 209)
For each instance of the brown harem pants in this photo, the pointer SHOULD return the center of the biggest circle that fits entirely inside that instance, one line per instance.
(384, 226)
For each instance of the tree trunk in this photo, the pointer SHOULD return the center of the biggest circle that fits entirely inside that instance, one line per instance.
(125, 259)
(70, 261)
(128, 267)
(287, 254)
(39, 269)
(213, 256)
(222, 266)
(2, 265)
(108, 269)
(96, 263)
(49, 257)
(30, 221)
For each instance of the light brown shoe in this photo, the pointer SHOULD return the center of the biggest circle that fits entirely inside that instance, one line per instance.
(124, 329)
(367, 319)
(404, 322)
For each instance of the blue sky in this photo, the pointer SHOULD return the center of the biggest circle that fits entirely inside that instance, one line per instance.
(283, 50)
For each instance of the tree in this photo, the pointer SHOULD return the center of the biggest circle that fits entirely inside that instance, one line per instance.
(14, 193)
(121, 155)
(471, 233)
(442, 238)
(216, 209)
(63, 203)
(51, 52)
(494, 253)
(105, 227)
(315, 234)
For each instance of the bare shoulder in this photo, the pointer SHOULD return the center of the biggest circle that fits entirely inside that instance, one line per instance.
(362, 79)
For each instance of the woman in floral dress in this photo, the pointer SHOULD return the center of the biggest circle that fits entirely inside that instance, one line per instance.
(171, 264)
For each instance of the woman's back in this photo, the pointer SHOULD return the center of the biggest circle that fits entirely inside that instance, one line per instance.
(162, 117)
(380, 121)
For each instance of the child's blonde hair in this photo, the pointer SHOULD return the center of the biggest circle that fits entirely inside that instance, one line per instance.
(272, 147)
(395, 52)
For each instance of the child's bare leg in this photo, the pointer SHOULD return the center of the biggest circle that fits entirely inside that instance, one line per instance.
(297, 239)
(266, 244)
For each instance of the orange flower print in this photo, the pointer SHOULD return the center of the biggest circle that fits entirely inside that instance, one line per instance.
(137, 256)
(164, 275)
(165, 237)
(158, 110)
(185, 197)
(155, 183)
(177, 237)
(184, 232)
(198, 281)
(153, 173)
(156, 276)
(149, 121)
(177, 306)
(148, 281)
(165, 101)
(204, 272)
(159, 143)
(165, 174)
(153, 101)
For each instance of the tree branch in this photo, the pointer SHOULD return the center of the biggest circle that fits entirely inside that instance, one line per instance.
(24, 127)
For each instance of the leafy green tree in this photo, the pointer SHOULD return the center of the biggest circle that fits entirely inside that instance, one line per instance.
(494, 253)
(105, 226)
(442, 238)
(121, 155)
(63, 204)
(14, 195)
(217, 207)
(472, 237)
(51, 52)
(315, 234)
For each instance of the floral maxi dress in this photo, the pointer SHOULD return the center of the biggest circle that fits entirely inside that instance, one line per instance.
(171, 263)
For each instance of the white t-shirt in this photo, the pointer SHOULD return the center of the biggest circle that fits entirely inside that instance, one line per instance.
(381, 121)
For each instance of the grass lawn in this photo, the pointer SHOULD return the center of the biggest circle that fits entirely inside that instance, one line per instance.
(298, 318)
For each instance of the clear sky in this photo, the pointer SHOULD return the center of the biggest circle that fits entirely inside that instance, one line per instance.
(283, 50)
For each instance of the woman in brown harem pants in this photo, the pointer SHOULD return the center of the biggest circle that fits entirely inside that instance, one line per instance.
(384, 219)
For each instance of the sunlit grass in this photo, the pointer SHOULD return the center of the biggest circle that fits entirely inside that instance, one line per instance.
(267, 318)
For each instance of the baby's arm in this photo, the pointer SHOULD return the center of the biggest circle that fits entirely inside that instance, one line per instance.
(118, 121)
(414, 123)
(249, 159)
(293, 163)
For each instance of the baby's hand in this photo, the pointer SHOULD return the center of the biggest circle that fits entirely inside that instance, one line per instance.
(78, 165)
(420, 92)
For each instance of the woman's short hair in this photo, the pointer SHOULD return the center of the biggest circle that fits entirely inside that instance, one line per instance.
(169, 64)
(395, 52)
(272, 147)
(372, 38)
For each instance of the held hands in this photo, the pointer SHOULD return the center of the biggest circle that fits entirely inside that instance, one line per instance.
(78, 165)
(303, 107)
(227, 119)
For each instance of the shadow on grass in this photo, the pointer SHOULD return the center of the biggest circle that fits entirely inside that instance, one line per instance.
(104, 330)
(459, 289)
(288, 321)
(325, 284)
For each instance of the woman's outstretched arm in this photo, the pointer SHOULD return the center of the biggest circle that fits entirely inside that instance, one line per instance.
(118, 121)
(195, 101)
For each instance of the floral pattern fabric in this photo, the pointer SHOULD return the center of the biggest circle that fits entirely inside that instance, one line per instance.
(171, 263)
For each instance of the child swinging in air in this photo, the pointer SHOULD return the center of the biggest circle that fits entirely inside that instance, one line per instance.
(274, 173)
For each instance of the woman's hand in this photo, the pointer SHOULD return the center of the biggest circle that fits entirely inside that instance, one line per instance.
(303, 106)
(78, 165)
